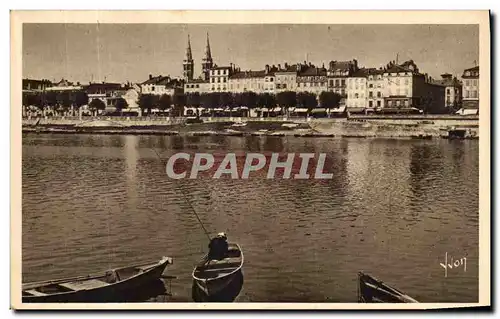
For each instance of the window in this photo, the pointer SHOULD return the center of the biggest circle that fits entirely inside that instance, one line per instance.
(370, 94)
(284, 85)
(406, 103)
(474, 82)
(448, 91)
(336, 82)
(370, 85)
(224, 80)
(152, 88)
(370, 103)
(467, 93)
(389, 103)
(378, 103)
(466, 82)
(218, 72)
(398, 103)
(356, 95)
(343, 82)
(197, 86)
(379, 94)
(271, 80)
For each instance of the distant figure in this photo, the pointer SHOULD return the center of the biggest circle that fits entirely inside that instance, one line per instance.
(218, 247)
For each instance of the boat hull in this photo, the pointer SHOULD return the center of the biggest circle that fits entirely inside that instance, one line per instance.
(109, 293)
(221, 289)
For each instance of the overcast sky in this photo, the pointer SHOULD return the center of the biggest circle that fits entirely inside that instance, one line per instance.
(130, 52)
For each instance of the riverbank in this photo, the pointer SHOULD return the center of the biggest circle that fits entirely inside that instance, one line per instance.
(362, 127)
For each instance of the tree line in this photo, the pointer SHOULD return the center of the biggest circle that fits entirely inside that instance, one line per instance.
(175, 103)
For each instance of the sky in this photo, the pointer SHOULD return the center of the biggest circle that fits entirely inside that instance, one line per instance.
(130, 52)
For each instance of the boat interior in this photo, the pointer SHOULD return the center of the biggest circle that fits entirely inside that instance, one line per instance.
(220, 268)
(84, 283)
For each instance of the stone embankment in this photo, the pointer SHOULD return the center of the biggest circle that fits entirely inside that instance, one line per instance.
(425, 127)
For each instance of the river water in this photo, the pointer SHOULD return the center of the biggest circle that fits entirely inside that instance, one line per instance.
(393, 209)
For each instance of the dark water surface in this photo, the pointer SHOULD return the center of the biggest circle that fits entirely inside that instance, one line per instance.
(393, 209)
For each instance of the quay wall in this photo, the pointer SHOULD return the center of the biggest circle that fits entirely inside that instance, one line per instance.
(388, 127)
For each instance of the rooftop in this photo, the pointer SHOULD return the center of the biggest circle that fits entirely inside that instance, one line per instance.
(249, 74)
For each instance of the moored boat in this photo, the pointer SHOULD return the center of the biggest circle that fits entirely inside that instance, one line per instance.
(213, 277)
(371, 290)
(106, 286)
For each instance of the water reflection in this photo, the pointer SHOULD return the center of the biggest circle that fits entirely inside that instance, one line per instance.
(393, 208)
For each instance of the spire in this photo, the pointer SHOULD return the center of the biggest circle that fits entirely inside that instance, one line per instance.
(189, 55)
(208, 53)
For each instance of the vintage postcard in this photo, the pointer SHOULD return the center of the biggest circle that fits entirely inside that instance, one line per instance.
(250, 160)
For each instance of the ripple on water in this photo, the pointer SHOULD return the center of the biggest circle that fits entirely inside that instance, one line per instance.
(392, 209)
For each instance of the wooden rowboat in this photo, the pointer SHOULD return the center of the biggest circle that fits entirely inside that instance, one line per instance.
(106, 286)
(371, 289)
(213, 277)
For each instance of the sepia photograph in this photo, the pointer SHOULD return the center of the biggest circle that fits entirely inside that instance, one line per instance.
(238, 160)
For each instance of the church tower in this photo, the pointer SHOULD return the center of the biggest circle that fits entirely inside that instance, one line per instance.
(207, 62)
(188, 64)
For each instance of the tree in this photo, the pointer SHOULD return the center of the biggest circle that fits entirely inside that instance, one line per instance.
(307, 100)
(329, 100)
(146, 102)
(287, 99)
(249, 99)
(95, 105)
(49, 99)
(64, 101)
(80, 99)
(121, 104)
(179, 101)
(193, 99)
(164, 102)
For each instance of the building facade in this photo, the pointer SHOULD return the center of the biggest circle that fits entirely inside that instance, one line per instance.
(311, 79)
(338, 72)
(160, 85)
(357, 89)
(375, 88)
(285, 79)
(453, 91)
(470, 93)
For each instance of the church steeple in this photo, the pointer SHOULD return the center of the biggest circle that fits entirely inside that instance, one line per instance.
(188, 63)
(207, 62)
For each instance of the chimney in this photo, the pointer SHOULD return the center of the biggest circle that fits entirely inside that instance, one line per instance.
(286, 65)
(150, 76)
(267, 68)
(279, 66)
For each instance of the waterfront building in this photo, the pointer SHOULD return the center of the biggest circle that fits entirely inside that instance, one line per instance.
(357, 89)
(337, 74)
(197, 86)
(65, 86)
(470, 92)
(453, 91)
(401, 85)
(286, 78)
(262, 81)
(31, 85)
(311, 79)
(375, 88)
(106, 92)
(219, 78)
(160, 85)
